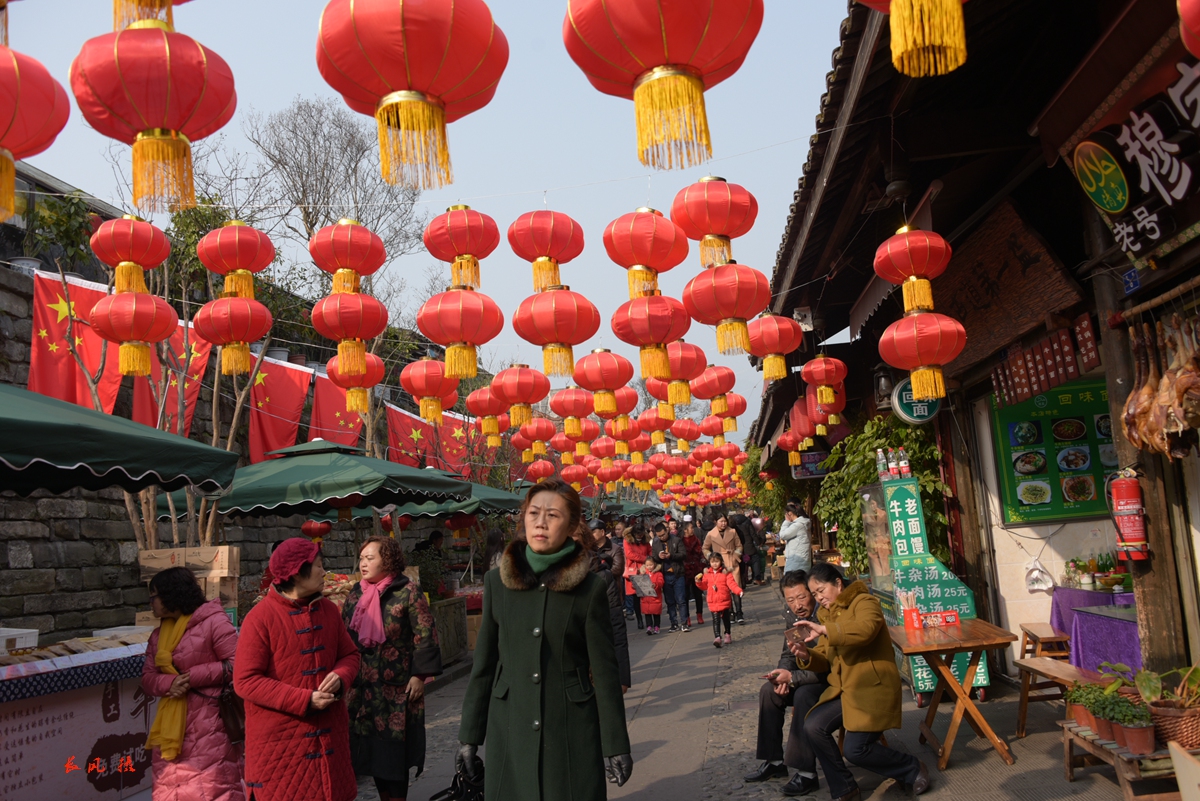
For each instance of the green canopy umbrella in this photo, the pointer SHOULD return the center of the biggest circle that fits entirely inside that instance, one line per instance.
(57, 446)
(483, 500)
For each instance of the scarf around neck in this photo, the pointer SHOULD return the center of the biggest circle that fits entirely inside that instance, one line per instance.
(541, 562)
(367, 619)
(170, 720)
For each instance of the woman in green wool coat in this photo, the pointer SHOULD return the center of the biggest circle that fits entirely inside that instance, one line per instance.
(544, 692)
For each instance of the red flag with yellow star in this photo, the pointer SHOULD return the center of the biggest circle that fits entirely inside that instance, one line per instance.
(453, 437)
(276, 401)
(411, 440)
(52, 369)
(330, 421)
(193, 362)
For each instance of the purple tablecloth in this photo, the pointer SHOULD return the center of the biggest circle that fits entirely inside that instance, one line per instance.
(1096, 638)
(1065, 600)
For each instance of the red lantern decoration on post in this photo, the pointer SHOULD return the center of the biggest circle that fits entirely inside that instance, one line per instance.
(603, 372)
(426, 380)
(134, 321)
(714, 211)
(685, 431)
(540, 470)
(650, 322)
(538, 431)
(460, 320)
(546, 239)
(712, 384)
(357, 386)
(645, 243)
(727, 296)
(351, 319)
(34, 108)
(236, 251)
(687, 363)
(349, 251)
(911, 258)
(772, 338)
(414, 67)
(921, 343)
(520, 388)
(556, 320)
(159, 91)
(735, 407)
(572, 404)
(462, 236)
(233, 323)
(663, 59)
(823, 372)
(130, 246)
(487, 408)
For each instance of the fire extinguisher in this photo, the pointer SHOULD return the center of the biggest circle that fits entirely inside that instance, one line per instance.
(1123, 494)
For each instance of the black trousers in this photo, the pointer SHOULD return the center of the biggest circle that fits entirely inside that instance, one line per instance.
(717, 617)
(772, 712)
(861, 749)
(737, 607)
(697, 595)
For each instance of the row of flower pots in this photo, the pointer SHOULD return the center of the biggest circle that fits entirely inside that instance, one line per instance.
(1112, 716)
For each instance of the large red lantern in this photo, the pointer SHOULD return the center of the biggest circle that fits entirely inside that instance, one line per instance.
(921, 344)
(426, 380)
(627, 400)
(520, 388)
(687, 362)
(771, 339)
(650, 322)
(556, 320)
(358, 386)
(565, 447)
(651, 421)
(588, 431)
(791, 442)
(823, 372)
(521, 443)
(712, 384)
(802, 425)
(538, 431)
(349, 251)
(735, 407)
(462, 236)
(928, 37)
(685, 431)
(351, 319)
(645, 243)
(487, 408)
(817, 413)
(713, 212)
(158, 91)
(414, 67)
(236, 251)
(663, 57)
(34, 109)
(834, 410)
(661, 392)
(232, 323)
(572, 404)
(638, 446)
(316, 530)
(605, 448)
(603, 372)
(460, 320)
(130, 246)
(713, 426)
(910, 259)
(135, 321)
(727, 296)
(547, 239)
(575, 475)
(623, 434)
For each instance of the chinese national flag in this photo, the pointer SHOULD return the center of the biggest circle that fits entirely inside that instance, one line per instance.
(453, 434)
(52, 369)
(193, 364)
(410, 439)
(276, 401)
(330, 420)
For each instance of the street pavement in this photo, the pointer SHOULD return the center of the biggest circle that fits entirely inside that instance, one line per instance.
(692, 717)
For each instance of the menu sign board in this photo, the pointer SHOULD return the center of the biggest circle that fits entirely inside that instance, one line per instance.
(810, 465)
(1054, 452)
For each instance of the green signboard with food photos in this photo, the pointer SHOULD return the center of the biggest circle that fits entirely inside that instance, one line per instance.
(1054, 452)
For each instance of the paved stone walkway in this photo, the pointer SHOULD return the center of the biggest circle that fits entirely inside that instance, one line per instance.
(693, 714)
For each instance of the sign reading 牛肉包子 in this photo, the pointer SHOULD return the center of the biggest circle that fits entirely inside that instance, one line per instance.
(909, 409)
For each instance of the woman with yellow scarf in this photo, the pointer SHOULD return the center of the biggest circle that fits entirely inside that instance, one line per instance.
(188, 660)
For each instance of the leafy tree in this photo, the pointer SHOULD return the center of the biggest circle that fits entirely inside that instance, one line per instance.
(61, 227)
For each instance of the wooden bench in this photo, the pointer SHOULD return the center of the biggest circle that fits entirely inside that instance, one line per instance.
(1042, 639)
(1130, 767)
(1056, 676)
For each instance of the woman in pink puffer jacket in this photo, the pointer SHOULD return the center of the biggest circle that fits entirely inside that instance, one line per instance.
(208, 767)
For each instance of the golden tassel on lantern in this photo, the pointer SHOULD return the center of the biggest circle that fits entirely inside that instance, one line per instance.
(718, 440)
(572, 427)
(519, 414)
(539, 447)
(621, 423)
(728, 467)
(240, 284)
(643, 282)
(345, 282)
(679, 393)
(654, 362)
(605, 401)
(793, 458)
(431, 410)
(927, 383)
(465, 270)
(129, 277)
(834, 419)
(412, 140)
(733, 337)
(610, 487)
(774, 367)
(567, 457)
(657, 438)
(128, 12)
(808, 443)
(637, 457)
(719, 405)
(490, 426)
(558, 359)
(683, 445)
(672, 125)
(928, 37)
(918, 294)
(461, 362)
(666, 410)
(527, 456)
(826, 395)
(606, 462)
(622, 447)
(235, 359)
(582, 449)
(576, 486)
(545, 273)
(494, 441)
(162, 171)
(356, 400)
(729, 424)
(8, 185)
(821, 430)
(352, 357)
(715, 249)
(135, 358)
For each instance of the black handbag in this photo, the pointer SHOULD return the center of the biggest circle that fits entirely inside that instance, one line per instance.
(230, 707)
(460, 789)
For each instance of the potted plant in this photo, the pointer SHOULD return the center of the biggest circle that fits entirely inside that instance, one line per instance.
(1135, 728)
(1122, 710)
(1174, 710)
(1103, 709)
(1076, 708)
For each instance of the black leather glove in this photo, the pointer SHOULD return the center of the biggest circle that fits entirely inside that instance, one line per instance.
(619, 769)
(468, 763)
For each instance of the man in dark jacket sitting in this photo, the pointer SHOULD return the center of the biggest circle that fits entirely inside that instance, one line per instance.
(788, 686)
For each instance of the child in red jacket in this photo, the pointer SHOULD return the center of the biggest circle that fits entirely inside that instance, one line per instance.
(652, 604)
(719, 586)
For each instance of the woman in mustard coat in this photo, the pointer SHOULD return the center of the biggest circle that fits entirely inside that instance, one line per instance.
(864, 687)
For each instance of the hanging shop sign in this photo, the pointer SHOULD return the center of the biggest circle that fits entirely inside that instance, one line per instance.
(1050, 362)
(909, 409)
(1054, 452)
(810, 465)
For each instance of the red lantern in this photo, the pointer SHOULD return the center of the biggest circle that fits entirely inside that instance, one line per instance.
(823, 372)
(685, 431)
(414, 66)
(911, 258)
(735, 407)
(771, 339)
(650, 322)
(588, 431)
(801, 425)
(627, 400)
(357, 386)
(833, 410)
(921, 344)
(729, 453)
(574, 475)
(316, 530)
(605, 448)
(522, 443)
(134, 321)
(1189, 25)
(687, 362)
(928, 37)
(712, 384)
(660, 391)
(571, 404)
(159, 91)
(727, 296)
(232, 323)
(426, 380)
(538, 431)
(645, 243)
(34, 108)
(638, 446)
(520, 388)
(462, 236)
(712, 426)
(792, 443)
(350, 318)
(662, 57)
(130, 246)
(236, 251)
(650, 420)
(460, 320)
(487, 408)
(623, 434)
(547, 239)
(349, 251)
(609, 476)
(713, 212)
(816, 413)
(565, 447)
(556, 320)
(603, 372)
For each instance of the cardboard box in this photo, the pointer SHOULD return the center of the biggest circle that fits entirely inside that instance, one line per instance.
(15, 639)
(145, 619)
(214, 562)
(152, 562)
(224, 588)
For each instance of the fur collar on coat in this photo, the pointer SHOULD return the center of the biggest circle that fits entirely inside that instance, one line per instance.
(565, 576)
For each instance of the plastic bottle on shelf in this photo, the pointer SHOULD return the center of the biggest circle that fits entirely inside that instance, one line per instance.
(893, 465)
(881, 465)
(905, 470)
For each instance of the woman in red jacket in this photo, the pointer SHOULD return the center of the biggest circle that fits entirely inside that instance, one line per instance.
(295, 661)
(637, 551)
(721, 587)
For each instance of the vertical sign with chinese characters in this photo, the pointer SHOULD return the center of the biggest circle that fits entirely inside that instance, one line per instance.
(1085, 335)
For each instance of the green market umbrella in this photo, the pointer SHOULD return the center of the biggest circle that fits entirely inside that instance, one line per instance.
(483, 500)
(57, 446)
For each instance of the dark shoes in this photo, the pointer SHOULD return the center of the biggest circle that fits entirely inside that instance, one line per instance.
(767, 770)
(804, 785)
(922, 783)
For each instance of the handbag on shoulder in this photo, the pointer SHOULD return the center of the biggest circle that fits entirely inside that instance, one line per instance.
(231, 708)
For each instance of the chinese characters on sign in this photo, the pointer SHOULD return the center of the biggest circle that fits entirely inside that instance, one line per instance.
(909, 409)
(1050, 363)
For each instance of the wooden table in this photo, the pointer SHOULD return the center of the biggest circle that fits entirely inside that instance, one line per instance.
(938, 646)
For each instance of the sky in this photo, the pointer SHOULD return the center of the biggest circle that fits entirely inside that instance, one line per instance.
(547, 139)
